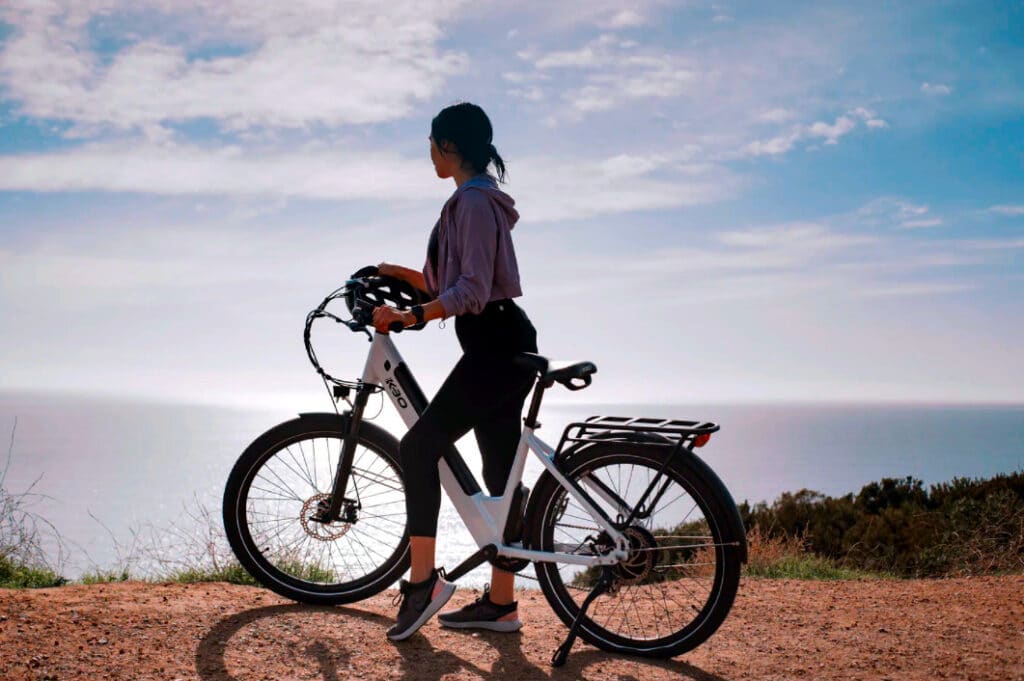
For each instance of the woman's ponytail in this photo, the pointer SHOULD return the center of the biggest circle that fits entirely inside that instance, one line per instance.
(495, 158)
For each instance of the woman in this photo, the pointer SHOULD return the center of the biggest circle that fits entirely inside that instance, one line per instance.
(471, 273)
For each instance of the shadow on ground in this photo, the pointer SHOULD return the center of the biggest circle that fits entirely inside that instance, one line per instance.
(421, 661)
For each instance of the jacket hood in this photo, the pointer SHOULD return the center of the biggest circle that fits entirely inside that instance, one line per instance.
(486, 183)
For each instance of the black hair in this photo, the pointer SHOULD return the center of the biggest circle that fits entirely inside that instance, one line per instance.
(467, 127)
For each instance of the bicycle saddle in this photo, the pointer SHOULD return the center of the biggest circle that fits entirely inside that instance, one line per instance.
(562, 372)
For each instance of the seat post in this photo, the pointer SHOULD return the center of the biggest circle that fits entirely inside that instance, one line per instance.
(538, 395)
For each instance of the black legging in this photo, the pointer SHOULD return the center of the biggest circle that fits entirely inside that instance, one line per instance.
(485, 392)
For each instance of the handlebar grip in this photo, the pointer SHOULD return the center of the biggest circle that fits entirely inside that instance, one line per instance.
(571, 384)
(396, 327)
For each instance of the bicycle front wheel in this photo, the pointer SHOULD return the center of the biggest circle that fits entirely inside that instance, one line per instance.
(275, 489)
(681, 576)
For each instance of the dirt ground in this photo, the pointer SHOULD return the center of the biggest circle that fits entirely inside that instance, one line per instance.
(778, 629)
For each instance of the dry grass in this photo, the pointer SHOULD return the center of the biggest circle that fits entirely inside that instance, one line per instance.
(23, 533)
(788, 557)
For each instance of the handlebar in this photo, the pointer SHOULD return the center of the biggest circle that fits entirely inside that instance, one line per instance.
(362, 312)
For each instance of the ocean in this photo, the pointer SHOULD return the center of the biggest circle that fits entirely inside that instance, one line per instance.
(113, 473)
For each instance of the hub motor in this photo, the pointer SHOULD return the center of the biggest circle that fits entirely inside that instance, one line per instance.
(642, 558)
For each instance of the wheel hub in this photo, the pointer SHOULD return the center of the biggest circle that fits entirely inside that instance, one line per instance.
(316, 507)
(641, 559)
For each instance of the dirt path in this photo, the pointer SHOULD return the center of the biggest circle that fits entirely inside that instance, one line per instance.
(778, 629)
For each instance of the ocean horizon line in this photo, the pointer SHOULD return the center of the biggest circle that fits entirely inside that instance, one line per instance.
(552, 401)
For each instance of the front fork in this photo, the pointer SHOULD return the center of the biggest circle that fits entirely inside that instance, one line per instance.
(339, 502)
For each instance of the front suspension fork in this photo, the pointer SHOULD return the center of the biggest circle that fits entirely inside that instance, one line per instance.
(348, 450)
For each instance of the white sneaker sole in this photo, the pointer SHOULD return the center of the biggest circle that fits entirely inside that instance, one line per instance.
(505, 627)
(446, 592)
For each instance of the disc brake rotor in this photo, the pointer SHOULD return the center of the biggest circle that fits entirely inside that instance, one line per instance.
(317, 530)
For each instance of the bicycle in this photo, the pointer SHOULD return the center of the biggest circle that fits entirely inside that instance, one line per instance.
(314, 507)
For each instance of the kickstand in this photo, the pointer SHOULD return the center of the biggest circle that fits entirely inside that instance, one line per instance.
(604, 582)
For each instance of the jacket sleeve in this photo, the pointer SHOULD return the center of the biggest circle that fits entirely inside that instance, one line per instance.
(475, 232)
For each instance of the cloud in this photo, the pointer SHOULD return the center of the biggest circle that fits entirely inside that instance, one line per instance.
(774, 146)
(614, 74)
(176, 170)
(897, 212)
(777, 115)
(626, 18)
(842, 257)
(869, 117)
(833, 258)
(993, 244)
(585, 188)
(830, 132)
(611, 73)
(937, 89)
(582, 188)
(916, 289)
(926, 222)
(833, 132)
(706, 92)
(808, 238)
(1006, 209)
(602, 14)
(293, 65)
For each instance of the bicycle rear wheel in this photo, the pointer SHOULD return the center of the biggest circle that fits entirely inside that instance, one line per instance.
(276, 486)
(681, 576)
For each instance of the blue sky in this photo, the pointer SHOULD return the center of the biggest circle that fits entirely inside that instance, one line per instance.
(720, 201)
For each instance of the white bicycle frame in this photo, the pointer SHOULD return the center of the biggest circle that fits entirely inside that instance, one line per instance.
(485, 516)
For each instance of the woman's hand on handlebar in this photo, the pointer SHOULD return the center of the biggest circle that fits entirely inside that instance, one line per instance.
(385, 315)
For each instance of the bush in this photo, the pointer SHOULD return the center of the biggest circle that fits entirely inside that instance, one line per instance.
(963, 527)
(17, 576)
(105, 577)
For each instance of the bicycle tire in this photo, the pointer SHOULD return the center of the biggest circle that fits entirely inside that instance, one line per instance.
(549, 503)
(288, 571)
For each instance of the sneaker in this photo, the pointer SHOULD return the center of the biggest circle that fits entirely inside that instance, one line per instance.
(420, 600)
(483, 614)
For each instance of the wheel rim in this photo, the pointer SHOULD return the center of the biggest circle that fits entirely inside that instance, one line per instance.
(289, 481)
(656, 601)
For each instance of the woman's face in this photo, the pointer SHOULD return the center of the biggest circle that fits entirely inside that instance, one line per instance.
(443, 165)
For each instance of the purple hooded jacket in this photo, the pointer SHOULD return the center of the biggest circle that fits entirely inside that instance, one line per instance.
(476, 262)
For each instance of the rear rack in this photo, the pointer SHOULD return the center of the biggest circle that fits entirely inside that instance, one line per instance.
(605, 428)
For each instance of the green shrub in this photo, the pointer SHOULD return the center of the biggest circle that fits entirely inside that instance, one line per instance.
(962, 527)
(233, 573)
(806, 567)
(16, 576)
(105, 577)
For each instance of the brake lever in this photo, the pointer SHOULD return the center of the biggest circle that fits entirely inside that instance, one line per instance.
(356, 326)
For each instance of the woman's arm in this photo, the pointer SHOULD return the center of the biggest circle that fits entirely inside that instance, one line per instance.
(385, 314)
(414, 277)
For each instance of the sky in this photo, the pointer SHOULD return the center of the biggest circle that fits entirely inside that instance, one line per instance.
(719, 201)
